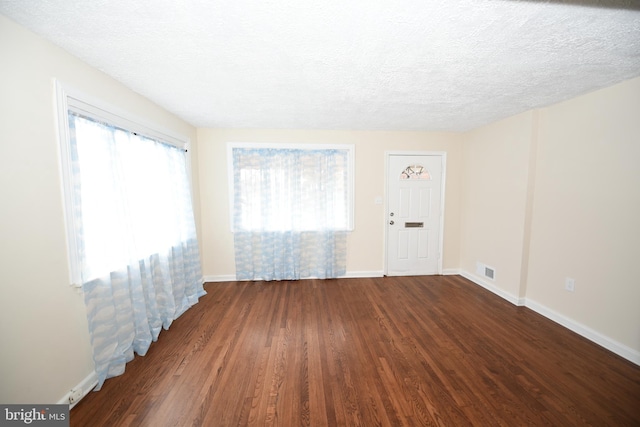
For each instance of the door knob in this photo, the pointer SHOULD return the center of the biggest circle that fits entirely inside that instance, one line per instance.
(391, 222)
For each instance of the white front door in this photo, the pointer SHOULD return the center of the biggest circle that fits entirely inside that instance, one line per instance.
(414, 214)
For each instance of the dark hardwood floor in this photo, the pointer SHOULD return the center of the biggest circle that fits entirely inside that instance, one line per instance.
(410, 351)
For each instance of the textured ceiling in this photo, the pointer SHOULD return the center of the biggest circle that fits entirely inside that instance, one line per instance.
(335, 64)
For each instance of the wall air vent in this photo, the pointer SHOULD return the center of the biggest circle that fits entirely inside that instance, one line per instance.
(489, 272)
(485, 271)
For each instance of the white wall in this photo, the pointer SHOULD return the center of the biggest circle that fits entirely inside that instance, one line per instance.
(555, 193)
(495, 173)
(365, 245)
(586, 214)
(45, 348)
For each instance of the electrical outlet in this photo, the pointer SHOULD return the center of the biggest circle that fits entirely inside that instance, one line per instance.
(569, 284)
(75, 395)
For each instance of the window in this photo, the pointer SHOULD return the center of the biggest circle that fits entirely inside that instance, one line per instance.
(415, 172)
(280, 188)
(131, 232)
(291, 208)
(122, 181)
(126, 187)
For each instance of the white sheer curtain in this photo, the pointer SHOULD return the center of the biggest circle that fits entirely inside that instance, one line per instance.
(291, 212)
(137, 255)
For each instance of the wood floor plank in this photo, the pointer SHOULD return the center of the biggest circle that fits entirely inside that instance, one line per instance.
(394, 351)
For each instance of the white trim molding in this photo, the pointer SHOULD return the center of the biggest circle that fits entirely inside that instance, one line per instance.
(348, 275)
(362, 274)
(513, 299)
(580, 329)
(84, 387)
(219, 278)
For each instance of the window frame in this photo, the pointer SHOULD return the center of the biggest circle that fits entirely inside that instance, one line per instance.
(349, 148)
(68, 98)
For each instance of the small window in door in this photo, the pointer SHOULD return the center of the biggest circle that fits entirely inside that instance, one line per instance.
(415, 172)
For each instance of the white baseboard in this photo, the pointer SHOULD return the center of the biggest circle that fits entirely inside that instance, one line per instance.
(451, 272)
(348, 275)
(596, 337)
(363, 274)
(85, 386)
(220, 278)
(492, 288)
(580, 329)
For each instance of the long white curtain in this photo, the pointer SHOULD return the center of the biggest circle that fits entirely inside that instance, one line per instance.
(291, 213)
(137, 251)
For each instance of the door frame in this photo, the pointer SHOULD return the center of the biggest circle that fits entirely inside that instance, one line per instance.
(387, 156)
